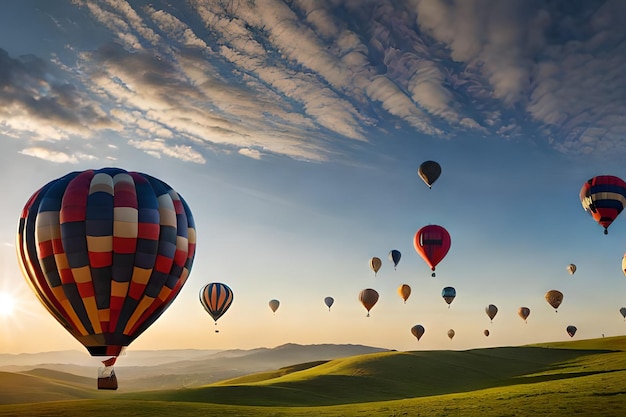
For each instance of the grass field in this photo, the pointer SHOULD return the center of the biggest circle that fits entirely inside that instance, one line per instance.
(585, 378)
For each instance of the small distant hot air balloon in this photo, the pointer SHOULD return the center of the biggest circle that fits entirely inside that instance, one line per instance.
(429, 171)
(404, 291)
(274, 304)
(624, 264)
(523, 312)
(448, 294)
(418, 331)
(623, 312)
(554, 298)
(368, 297)
(451, 333)
(571, 268)
(216, 298)
(571, 330)
(604, 198)
(329, 302)
(491, 311)
(432, 243)
(486, 332)
(375, 264)
(394, 256)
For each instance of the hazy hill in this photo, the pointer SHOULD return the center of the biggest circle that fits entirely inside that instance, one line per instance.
(188, 368)
(43, 385)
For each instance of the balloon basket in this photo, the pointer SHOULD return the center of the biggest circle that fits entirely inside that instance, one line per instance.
(107, 379)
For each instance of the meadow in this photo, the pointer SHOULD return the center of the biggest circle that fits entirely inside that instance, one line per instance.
(586, 378)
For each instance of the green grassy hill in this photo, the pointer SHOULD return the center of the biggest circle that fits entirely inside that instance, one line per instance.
(586, 378)
(41, 385)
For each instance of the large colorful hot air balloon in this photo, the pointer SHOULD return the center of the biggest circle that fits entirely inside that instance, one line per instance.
(571, 330)
(216, 298)
(404, 291)
(448, 294)
(274, 304)
(491, 311)
(329, 301)
(418, 331)
(429, 171)
(604, 198)
(523, 312)
(571, 268)
(375, 264)
(554, 298)
(368, 297)
(432, 243)
(451, 333)
(106, 251)
(394, 256)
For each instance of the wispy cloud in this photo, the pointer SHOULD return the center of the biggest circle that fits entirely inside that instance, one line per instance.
(299, 79)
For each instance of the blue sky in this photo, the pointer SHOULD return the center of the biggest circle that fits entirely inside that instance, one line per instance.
(295, 131)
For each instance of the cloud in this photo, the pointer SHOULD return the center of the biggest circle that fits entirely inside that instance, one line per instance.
(59, 157)
(250, 153)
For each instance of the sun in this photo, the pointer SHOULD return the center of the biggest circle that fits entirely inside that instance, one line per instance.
(7, 305)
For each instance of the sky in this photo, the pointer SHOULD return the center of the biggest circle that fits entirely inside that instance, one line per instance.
(294, 130)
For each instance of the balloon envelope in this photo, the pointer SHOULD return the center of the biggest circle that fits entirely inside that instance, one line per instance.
(375, 264)
(394, 256)
(448, 294)
(418, 331)
(623, 312)
(554, 298)
(368, 297)
(329, 302)
(216, 298)
(404, 291)
(274, 304)
(451, 333)
(491, 311)
(603, 197)
(432, 243)
(429, 171)
(624, 264)
(523, 312)
(486, 332)
(571, 268)
(571, 330)
(106, 251)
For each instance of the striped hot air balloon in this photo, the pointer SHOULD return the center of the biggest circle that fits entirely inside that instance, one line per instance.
(216, 298)
(106, 252)
(604, 197)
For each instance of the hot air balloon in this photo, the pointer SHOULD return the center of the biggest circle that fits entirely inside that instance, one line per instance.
(571, 268)
(604, 198)
(274, 304)
(571, 330)
(106, 252)
(624, 264)
(418, 331)
(404, 291)
(523, 312)
(554, 298)
(216, 298)
(429, 171)
(623, 312)
(451, 333)
(432, 243)
(448, 294)
(329, 302)
(375, 264)
(368, 297)
(486, 332)
(394, 256)
(491, 311)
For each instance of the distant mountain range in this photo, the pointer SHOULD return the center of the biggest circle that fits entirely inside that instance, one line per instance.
(173, 369)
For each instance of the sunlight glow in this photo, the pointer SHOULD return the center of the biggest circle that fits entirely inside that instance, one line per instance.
(7, 305)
